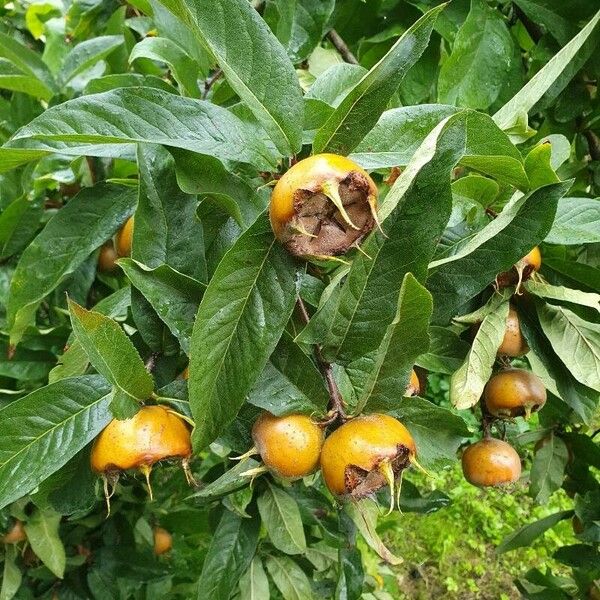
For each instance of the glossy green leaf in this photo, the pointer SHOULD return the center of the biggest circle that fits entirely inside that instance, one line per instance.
(87, 221)
(19, 223)
(333, 85)
(290, 383)
(281, 518)
(483, 50)
(240, 320)
(232, 480)
(561, 293)
(174, 296)
(11, 158)
(42, 534)
(229, 555)
(242, 44)
(86, 54)
(40, 432)
(467, 383)
(525, 535)
(290, 579)
(25, 364)
(388, 373)
(111, 352)
(576, 341)
(12, 78)
(548, 468)
(254, 584)
(577, 222)
(460, 277)
(446, 353)
(538, 166)
(362, 107)
(130, 115)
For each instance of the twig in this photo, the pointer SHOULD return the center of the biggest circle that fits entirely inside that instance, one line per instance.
(341, 46)
(336, 405)
(151, 362)
(92, 169)
(593, 144)
(533, 29)
(211, 81)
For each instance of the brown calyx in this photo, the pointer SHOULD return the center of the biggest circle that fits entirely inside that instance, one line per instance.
(360, 483)
(319, 229)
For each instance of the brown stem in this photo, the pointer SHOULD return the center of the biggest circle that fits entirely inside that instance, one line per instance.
(211, 81)
(341, 46)
(533, 29)
(336, 405)
(151, 362)
(593, 144)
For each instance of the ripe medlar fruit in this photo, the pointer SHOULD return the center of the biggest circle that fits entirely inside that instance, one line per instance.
(522, 271)
(163, 541)
(124, 238)
(513, 343)
(514, 393)
(491, 462)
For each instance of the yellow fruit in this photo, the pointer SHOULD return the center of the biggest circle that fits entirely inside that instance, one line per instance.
(16, 534)
(491, 462)
(414, 386)
(163, 541)
(124, 238)
(514, 393)
(107, 257)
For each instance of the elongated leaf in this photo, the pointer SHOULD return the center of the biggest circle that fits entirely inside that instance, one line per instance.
(175, 297)
(42, 534)
(577, 342)
(453, 283)
(290, 383)
(526, 98)
(12, 78)
(240, 320)
(166, 230)
(42, 431)
(281, 517)
(254, 584)
(289, 578)
(446, 353)
(467, 383)
(229, 555)
(111, 352)
(253, 61)
(19, 222)
(232, 480)
(185, 70)
(577, 222)
(559, 292)
(11, 576)
(405, 339)
(362, 107)
(86, 54)
(11, 158)
(130, 115)
(525, 535)
(548, 468)
(87, 221)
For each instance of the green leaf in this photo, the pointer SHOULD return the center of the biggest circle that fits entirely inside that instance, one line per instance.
(548, 468)
(467, 383)
(130, 115)
(111, 352)
(525, 535)
(438, 432)
(577, 342)
(388, 373)
(281, 517)
(290, 383)
(120, 80)
(561, 293)
(11, 158)
(12, 78)
(483, 51)
(19, 223)
(232, 480)
(42, 534)
(458, 278)
(185, 69)
(11, 576)
(526, 98)
(27, 61)
(361, 108)
(86, 222)
(86, 54)
(333, 85)
(229, 555)
(166, 230)
(538, 166)
(289, 578)
(240, 320)
(253, 61)
(446, 353)
(577, 222)
(548, 14)
(254, 584)
(207, 177)
(579, 274)
(32, 448)
(24, 364)
(175, 297)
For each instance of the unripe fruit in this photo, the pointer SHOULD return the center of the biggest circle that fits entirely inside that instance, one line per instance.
(163, 541)
(152, 434)
(124, 238)
(16, 534)
(514, 343)
(289, 446)
(514, 393)
(523, 270)
(414, 386)
(491, 462)
(107, 257)
(323, 206)
(359, 457)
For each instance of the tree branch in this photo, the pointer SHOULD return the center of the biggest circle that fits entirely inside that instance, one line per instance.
(211, 81)
(341, 46)
(533, 29)
(593, 144)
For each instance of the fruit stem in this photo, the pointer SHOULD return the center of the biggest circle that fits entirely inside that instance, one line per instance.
(336, 403)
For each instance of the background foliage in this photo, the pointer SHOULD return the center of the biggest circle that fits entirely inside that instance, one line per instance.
(478, 119)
